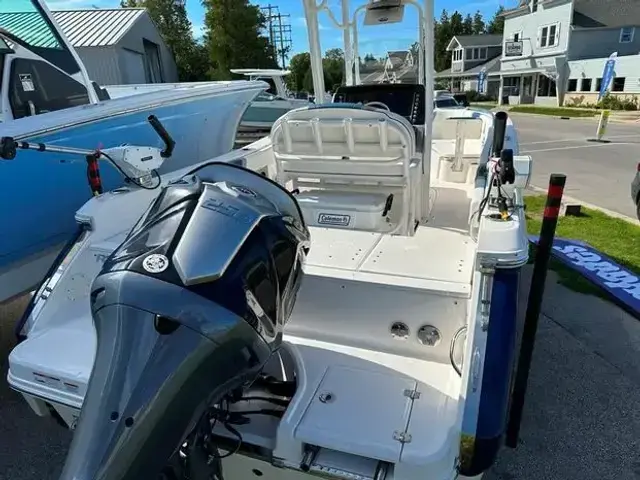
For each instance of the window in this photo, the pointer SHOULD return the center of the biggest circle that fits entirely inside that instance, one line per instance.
(546, 86)
(585, 85)
(152, 62)
(476, 53)
(618, 84)
(626, 34)
(516, 36)
(534, 6)
(548, 36)
(36, 87)
(457, 55)
(598, 84)
(572, 86)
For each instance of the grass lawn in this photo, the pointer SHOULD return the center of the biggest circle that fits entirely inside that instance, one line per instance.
(483, 106)
(614, 237)
(555, 111)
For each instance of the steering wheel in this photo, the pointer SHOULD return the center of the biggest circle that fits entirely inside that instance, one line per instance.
(381, 105)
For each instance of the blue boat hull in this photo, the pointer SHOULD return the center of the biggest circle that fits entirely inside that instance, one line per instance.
(40, 192)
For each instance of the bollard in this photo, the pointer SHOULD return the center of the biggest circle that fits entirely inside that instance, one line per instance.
(602, 127)
(534, 303)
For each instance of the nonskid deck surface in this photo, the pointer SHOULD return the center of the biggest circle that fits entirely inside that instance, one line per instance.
(355, 401)
(438, 257)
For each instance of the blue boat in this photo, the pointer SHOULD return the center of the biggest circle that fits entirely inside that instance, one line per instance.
(53, 101)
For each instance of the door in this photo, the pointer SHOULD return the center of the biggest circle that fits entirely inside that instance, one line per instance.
(527, 89)
(134, 67)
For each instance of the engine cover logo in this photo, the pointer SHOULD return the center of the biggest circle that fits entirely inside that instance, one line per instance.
(243, 190)
(155, 263)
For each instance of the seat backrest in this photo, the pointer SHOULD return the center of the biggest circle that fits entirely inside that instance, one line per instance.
(350, 148)
(343, 140)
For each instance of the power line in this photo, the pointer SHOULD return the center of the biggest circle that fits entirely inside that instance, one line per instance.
(279, 29)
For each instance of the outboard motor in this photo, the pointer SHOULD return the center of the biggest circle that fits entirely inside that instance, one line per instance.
(189, 308)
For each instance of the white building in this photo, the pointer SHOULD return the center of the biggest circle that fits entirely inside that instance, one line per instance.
(555, 50)
(469, 55)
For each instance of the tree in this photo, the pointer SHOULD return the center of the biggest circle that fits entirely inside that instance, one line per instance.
(443, 35)
(171, 19)
(299, 65)
(467, 25)
(478, 24)
(234, 37)
(496, 25)
(333, 66)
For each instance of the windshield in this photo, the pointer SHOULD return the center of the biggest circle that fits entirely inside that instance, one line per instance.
(446, 102)
(27, 22)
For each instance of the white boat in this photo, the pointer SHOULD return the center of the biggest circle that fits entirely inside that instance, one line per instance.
(400, 347)
(270, 105)
(49, 98)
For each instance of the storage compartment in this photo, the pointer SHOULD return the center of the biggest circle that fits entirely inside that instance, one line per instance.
(349, 210)
(361, 412)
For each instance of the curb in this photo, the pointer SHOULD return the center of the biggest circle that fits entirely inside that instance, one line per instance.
(611, 213)
(596, 117)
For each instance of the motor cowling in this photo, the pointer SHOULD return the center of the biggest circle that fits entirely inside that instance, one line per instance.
(190, 307)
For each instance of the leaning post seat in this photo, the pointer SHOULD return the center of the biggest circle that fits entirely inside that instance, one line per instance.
(356, 167)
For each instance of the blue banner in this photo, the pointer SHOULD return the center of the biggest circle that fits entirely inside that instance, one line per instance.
(607, 76)
(614, 279)
(481, 78)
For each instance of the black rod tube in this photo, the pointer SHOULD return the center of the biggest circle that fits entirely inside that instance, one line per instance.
(499, 131)
(164, 135)
(534, 304)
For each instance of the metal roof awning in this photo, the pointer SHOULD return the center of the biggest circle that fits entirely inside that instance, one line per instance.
(525, 71)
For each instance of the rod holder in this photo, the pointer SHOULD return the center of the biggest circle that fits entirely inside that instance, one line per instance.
(169, 143)
(534, 303)
(499, 132)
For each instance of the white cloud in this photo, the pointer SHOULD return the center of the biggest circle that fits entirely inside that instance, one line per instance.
(302, 22)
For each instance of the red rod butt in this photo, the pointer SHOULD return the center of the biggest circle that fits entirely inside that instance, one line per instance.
(554, 195)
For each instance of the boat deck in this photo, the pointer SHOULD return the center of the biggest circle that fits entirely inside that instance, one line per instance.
(438, 257)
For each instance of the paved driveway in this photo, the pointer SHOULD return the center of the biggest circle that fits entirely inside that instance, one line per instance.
(597, 173)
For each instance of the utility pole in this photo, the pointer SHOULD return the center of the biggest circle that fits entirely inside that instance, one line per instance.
(279, 28)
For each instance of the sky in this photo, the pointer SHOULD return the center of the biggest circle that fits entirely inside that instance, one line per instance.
(374, 40)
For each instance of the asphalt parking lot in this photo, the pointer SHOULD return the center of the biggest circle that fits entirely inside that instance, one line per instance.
(597, 173)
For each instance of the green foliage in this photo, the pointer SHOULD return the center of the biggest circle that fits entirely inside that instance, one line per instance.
(448, 26)
(496, 25)
(608, 102)
(475, 97)
(553, 111)
(234, 37)
(332, 65)
(299, 65)
(171, 19)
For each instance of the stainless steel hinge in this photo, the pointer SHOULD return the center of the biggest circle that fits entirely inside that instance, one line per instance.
(412, 393)
(402, 437)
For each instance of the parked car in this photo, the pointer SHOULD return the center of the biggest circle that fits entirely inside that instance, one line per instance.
(462, 99)
(446, 101)
(635, 191)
